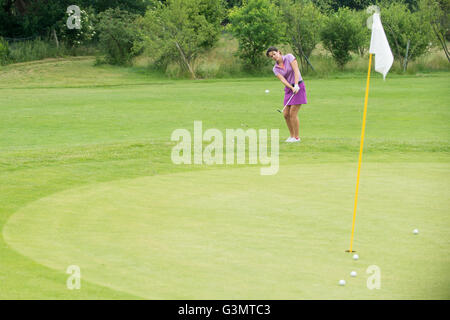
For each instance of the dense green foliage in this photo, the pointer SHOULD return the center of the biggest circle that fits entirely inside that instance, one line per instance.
(340, 35)
(177, 36)
(38, 18)
(335, 5)
(256, 25)
(409, 33)
(117, 34)
(233, 3)
(180, 30)
(77, 37)
(304, 23)
(437, 13)
(4, 52)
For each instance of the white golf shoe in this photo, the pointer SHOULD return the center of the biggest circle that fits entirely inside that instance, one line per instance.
(290, 139)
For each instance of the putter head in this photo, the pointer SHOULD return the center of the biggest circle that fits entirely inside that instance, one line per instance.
(279, 110)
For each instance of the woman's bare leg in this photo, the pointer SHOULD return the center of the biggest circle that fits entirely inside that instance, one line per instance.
(295, 123)
(287, 117)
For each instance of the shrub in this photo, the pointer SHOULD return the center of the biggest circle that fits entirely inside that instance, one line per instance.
(437, 13)
(341, 35)
(117, 34)
(78, 37)
(4, 52)
(305, 22)
(403, 26)
(180, 30)
(364, 33)
(257, 25)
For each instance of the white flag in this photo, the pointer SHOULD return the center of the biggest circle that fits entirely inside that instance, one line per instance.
(380, 47)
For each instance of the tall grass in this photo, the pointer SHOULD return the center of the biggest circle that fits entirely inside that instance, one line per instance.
(39, 49)
(223, 62)
(220, 62)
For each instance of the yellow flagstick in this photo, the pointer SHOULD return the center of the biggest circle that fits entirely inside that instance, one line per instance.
(361, 151)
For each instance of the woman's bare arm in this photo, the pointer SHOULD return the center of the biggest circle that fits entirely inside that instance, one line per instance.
(285, 82)
(294, 65)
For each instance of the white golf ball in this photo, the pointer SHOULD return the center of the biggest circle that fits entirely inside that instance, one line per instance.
(353, 274)
(355, 257)
(342, 282)
(267, 91)
(415, 231)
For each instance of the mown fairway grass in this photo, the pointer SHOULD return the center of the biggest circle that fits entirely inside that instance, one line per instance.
(86, 179)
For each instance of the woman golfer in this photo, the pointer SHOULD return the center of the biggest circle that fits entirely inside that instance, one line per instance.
(286, 69)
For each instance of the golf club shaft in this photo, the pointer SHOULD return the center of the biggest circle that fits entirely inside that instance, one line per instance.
(287, 103)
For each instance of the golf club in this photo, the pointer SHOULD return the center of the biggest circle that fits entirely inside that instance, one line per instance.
(281, 111)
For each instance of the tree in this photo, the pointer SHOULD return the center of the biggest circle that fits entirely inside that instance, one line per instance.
(341, 35)
(23, 18)
(304, 23)
(132, 6)
(180, 30)
(409, 33)
(9, 25)
(333, 5)
(31, 18)
(117, 34)
(76, 37)
(364, 33)
(4, 52)
(233, 3)
(256, 25)
(437, 14)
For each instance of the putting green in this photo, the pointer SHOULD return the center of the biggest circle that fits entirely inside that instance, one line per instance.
(232, 233)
